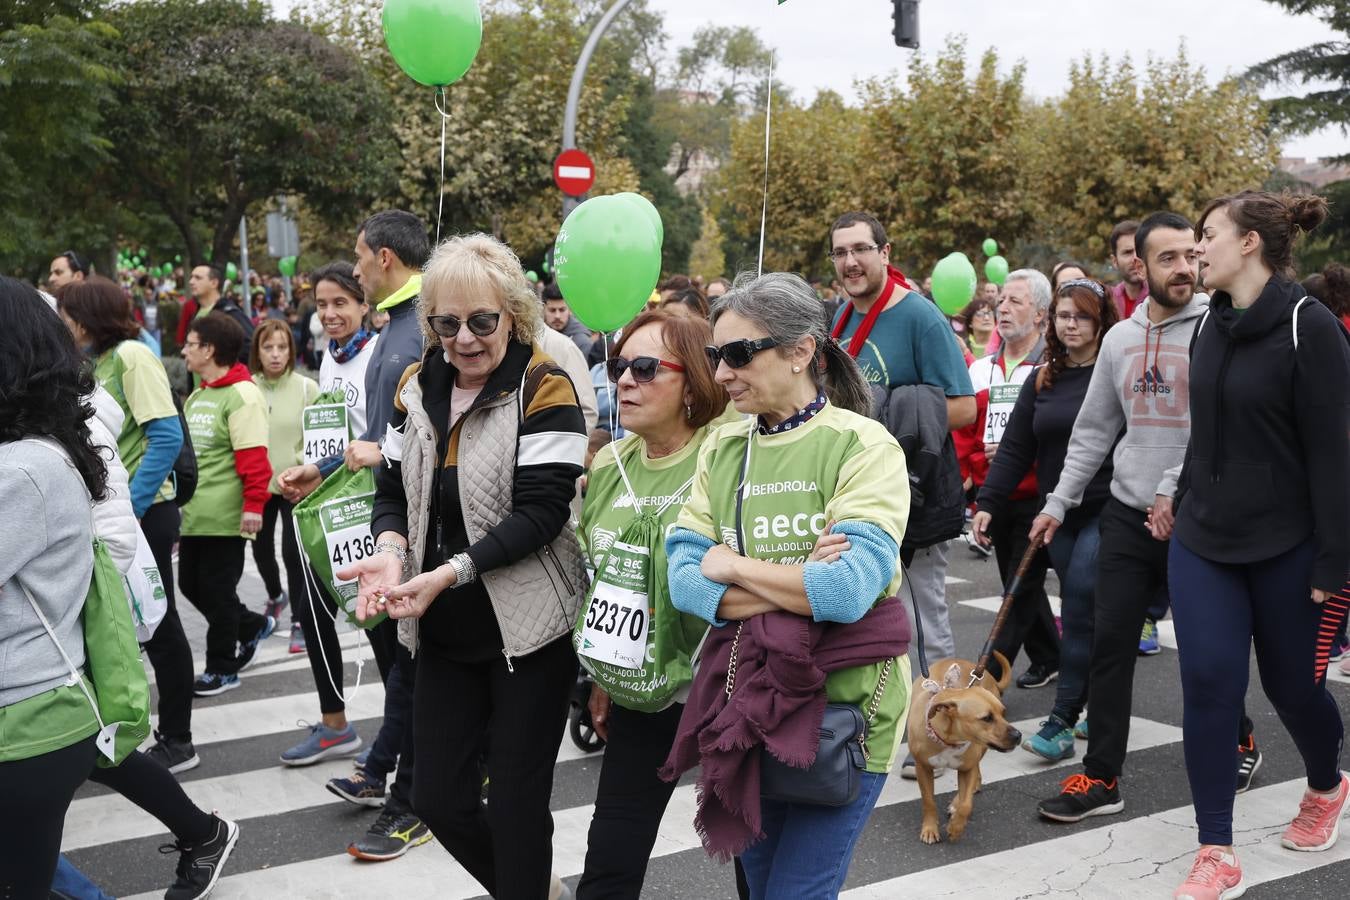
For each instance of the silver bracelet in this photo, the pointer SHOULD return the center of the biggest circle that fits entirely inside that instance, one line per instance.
(465, 571)
(391, 547)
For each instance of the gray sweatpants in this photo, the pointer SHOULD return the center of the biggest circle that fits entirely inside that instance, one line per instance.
(927, 585)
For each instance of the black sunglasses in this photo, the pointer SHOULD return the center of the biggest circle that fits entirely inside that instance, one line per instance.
(643, 368)
(737, 354)
(481, 324)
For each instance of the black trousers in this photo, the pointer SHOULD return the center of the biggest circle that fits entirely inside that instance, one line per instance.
(459, 708)
(265, 552)
(395, 746)
(209, 569)
(1031, 622)
(37, 793)
(168, 649)
(629, 803)
(154, 789)
(1131, 569)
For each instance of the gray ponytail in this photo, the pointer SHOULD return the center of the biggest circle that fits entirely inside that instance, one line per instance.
(788, 310)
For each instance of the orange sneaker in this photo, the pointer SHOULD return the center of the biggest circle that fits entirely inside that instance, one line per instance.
(1318, 822)
(1215, 875)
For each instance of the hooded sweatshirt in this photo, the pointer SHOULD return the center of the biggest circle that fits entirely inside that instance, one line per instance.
(1267, 464)
(227, 419)
(1141, 383)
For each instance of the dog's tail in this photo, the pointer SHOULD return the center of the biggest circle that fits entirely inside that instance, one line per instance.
(1006, 668)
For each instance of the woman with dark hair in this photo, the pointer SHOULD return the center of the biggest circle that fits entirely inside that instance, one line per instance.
(99, 317)
(50, 469)
(796, 518)
(1037, 437)
(978, 320)
(272, 362)
(1332, 287)
(1261, 541)
(1066, 270)
(665, 386)
(687, 302)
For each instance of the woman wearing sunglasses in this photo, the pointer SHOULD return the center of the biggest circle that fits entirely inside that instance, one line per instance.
(668, 396)
(801, 510)
(474, 551)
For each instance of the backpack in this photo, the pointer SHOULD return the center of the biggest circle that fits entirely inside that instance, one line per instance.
(185, 466)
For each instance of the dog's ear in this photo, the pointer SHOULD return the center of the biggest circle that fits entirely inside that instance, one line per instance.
(953, 677)
(947, 706)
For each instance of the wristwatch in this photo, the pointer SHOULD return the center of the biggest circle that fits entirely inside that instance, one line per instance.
(465, 571)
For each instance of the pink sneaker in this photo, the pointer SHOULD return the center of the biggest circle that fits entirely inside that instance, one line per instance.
(1345, 666)
(1215, 875)
(1318, 822)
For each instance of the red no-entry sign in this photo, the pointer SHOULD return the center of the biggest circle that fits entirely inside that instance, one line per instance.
(573, 172)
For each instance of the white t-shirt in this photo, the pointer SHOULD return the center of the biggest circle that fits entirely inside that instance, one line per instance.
(349, 377)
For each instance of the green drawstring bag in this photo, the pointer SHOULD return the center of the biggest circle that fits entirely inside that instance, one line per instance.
(333, 525)
(120, 692)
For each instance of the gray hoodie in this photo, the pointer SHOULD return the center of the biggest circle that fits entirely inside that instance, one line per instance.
(1141, 383)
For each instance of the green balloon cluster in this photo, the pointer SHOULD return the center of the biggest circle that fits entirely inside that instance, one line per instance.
(990, 247)
(433, 41)
(608, 259)
(996, 269)
(287, 266)
(953, 282)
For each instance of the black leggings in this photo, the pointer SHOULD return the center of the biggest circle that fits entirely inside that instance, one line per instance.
(459, 708)
(150, 786)
(318, 625)
(37, 793)
(168, 649)
(265, 552)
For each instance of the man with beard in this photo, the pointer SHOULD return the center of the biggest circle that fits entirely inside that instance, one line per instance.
(1131, 290)
(900, 338)
(1140, 385)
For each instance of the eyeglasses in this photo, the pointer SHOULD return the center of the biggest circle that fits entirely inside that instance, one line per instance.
(1071, 318)
(985, 311)
(481, 324)
(839, 254)
(737, 354)
(644, 368)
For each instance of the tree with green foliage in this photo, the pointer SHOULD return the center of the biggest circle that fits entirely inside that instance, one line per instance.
(218, 106)
(1324, 62)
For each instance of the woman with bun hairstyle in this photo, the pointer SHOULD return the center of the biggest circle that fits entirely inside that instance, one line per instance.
(1261, 540)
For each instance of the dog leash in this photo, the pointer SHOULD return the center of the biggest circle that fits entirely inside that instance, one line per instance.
(978, 672)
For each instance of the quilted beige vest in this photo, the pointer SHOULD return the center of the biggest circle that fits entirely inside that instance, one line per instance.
(536, 599)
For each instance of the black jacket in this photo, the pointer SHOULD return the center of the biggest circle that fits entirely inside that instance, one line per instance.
(1270, 434)
(916, 416)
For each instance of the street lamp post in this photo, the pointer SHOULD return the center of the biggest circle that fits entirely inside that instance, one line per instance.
(569, 135)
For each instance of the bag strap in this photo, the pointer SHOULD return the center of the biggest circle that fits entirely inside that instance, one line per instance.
(70, 664)
(740, 488)
(1297, 307)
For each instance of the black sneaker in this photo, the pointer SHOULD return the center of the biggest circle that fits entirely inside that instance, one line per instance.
(1248, 761)
(1037, 676)
(394, 833)
(1080, 797)
(173, 754)
(199, 866)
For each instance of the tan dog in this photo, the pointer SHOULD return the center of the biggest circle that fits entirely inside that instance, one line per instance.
(951, 725)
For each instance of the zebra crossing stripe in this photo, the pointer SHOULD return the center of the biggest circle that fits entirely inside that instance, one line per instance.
(1145, 857)
(1167, 635)
(429, 872)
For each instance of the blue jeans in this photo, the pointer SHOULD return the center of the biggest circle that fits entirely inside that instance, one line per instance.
(806, 849)
(70, 883)
(1073, 553)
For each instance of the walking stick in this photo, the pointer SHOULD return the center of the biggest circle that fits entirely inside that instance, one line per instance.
(1032, 549)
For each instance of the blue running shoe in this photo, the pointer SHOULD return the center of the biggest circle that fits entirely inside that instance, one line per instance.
(208, 684)
(358, 788)
(1053, 742)
(1080, 730)
(248, 650)
(1148, 639)
(322, 743)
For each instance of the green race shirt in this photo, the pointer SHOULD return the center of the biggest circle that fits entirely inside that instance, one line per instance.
(837, 466)
(608, 510)
(221, 420)
(136, 379)
(286, 400)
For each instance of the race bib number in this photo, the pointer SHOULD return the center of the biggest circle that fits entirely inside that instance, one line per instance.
(325, 431)
(618, 617)
(346, 532)
(1002, 399)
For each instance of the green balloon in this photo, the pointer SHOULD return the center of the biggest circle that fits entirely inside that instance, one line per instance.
(434, 41)
(166, 269)
(287, 266)
(649, 210)
(208, 254)
(990, 247)
(608, 260)
(548, 269)
(996, 269)
(177, 257)
(231, 272)
(532, 276)
(143, 254)
(953, 282)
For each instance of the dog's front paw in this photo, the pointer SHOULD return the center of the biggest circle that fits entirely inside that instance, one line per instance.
(929, 833)
(955, 830)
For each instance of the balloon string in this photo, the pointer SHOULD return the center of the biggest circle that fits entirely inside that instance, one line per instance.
(764, 211)
(440, 196)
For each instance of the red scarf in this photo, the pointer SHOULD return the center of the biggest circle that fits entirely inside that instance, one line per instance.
(895, 280)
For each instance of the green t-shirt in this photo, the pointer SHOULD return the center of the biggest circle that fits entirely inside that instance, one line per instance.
(136, 379)
(836, 466)
(286, 399)
(609, 510)
(221, 420)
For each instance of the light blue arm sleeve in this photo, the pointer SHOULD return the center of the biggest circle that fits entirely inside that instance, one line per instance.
(690, 591)
(164, 438)
(844, 590)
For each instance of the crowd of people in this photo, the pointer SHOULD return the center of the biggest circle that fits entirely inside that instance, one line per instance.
(729, 513)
